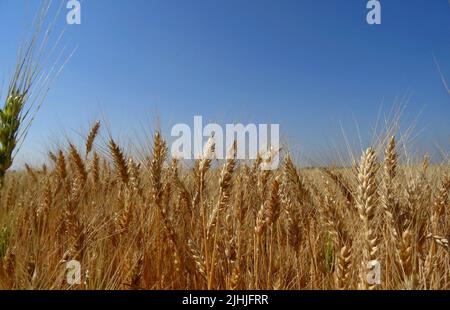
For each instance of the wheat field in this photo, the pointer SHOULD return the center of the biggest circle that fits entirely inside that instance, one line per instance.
(152, 222)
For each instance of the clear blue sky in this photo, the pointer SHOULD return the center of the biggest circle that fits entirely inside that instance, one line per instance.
(307, 65)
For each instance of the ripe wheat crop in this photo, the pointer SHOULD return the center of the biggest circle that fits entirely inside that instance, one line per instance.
(154, 222)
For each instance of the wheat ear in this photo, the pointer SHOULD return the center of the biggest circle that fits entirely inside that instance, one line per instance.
(366, 206)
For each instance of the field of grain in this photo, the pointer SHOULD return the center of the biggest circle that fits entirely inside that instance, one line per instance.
(149, 221)
(156, 223)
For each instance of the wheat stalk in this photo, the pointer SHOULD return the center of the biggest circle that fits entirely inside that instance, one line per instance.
(120, 162)
(366, 205)
(91, 137)
(78, 163)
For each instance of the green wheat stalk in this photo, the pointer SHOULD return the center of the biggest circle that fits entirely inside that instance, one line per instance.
(29, 77)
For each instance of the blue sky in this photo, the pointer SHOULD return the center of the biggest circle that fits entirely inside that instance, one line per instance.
(308, 65)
